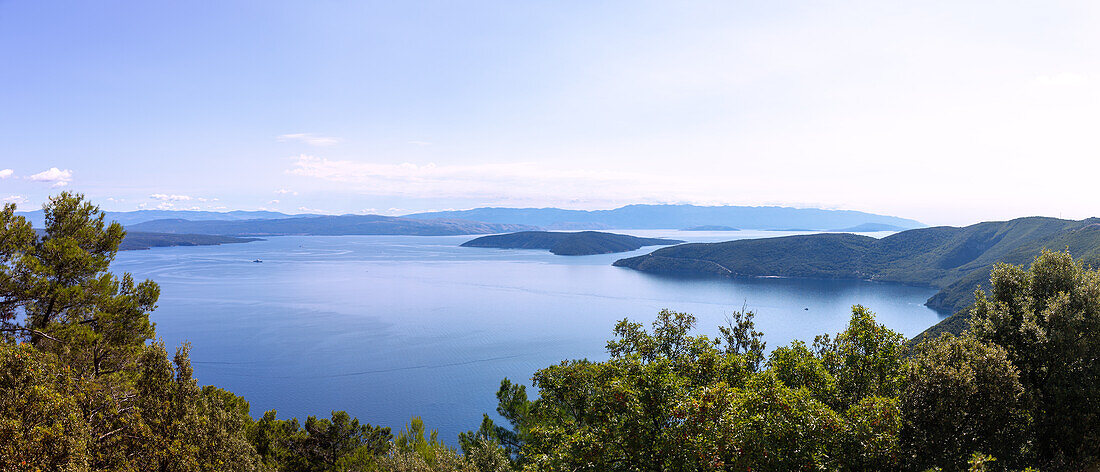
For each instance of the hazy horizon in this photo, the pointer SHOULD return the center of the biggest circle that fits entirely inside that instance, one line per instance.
(943, 112)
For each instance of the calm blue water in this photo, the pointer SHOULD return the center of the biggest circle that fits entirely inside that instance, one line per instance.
(387, 327)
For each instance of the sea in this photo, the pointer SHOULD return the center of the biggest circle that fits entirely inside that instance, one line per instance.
(392, 327)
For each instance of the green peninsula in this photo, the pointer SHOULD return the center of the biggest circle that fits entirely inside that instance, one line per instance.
(568, 244)
(953, 259)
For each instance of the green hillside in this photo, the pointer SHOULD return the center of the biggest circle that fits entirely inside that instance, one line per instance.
(954, 260)
(568, 244)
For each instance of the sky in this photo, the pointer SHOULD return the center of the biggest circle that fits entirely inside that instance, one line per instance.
(948, 112)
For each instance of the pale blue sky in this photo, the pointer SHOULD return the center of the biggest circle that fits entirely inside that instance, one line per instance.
(947, 112)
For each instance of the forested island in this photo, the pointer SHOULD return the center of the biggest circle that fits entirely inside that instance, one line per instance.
(86, 386)
(136, 240)
(581, 243)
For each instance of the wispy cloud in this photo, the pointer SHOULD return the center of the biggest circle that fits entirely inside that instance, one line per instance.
(309, 138)
(170, 198)
(54, 176)
(491, 182)
(5, 173)
(16, 199)
(284, 191)
(273, 202)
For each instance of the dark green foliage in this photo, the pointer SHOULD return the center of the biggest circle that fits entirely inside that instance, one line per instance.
(962, 395)
(568, 244)
(1047, 319)
(320, 445)
(338, 441)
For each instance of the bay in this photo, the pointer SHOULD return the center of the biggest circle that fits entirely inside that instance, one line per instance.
(388, 327)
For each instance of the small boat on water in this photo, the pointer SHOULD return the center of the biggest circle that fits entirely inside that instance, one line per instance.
(258, 261)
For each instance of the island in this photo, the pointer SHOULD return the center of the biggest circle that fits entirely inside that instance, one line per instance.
(140, 240)
(710, 228)
(954, 260)
(582, 243)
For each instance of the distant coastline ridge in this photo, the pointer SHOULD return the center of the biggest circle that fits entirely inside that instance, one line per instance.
(682, 216)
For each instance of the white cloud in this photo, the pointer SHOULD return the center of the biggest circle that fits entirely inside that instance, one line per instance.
(273, 202)
(55, 176)
(309, 138)
(284, 191)
(16, 199)
(5, 173)
(170, 198)
(309, 210)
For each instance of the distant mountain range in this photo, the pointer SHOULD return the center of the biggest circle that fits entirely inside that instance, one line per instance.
(569, 244)
(954, 260)
(127, 218)
(677, 217)
(327, 226)
(515, 219)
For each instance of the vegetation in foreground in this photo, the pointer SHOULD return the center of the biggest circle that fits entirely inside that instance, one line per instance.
(84, 385)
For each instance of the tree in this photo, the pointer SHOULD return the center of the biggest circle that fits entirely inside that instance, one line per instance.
(112, 400)
(1047, 319)
(669, 400)
(41, 425)
(798, 367)
(340, 443)
(962, 396)
(866, 360)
